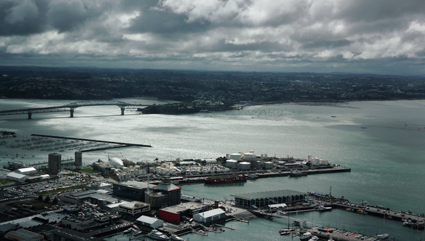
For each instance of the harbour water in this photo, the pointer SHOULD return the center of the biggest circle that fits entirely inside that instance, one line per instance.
(383, 142)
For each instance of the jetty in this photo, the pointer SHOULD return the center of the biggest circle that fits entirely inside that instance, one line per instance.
(92, 140)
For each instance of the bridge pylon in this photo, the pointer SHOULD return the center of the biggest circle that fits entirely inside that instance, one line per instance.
(71, 112)
(29, 115)
(122, 110)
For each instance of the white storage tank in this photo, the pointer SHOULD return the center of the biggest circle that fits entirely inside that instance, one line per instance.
(268, 165)
(324, 162)
(310, 157)
(232, 164)
(234, 156)
(316, 161)
(245, 166)
(249, 157)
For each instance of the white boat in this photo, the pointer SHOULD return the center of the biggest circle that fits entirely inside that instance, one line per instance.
(323, 208)
(306, 236)
(157, 235)
(382, 236)
(313, 238)
(177, 238)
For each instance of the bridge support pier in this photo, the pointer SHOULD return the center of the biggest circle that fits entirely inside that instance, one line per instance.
(71, 113)
(29, 115)
(122, 110)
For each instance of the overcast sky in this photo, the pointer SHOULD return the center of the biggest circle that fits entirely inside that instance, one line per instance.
(357, 36)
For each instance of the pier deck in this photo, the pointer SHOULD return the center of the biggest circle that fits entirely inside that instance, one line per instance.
(340, 235)
(84, 139)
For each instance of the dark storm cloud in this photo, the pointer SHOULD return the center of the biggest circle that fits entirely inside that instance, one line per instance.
(326, 35)
(22, 17)
(67, 15)
(164, 22)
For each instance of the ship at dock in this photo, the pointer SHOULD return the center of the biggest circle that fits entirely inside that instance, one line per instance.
(297, 173)
(225, 179)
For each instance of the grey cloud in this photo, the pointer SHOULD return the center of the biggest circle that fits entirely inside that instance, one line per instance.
(378, 10)
(67, 15)
(164, 22)
(327, 43)
(246, 36)
(22, 17)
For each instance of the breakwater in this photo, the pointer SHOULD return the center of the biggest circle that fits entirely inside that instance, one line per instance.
(85, 139)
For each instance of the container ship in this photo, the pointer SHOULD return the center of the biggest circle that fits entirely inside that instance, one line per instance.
(225, 179)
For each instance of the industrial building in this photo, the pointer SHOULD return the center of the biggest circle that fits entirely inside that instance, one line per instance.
(149, 222)
(164, 194)
(27, 171)
(175, 213)
(13, 176)
(72, 235)
(157, 196)
(131, 190)
(23, 234)
(263, 199)
(133, 209)
(99, 197)
(210, 216)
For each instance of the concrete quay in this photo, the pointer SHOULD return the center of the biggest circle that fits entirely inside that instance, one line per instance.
(339, 234)
(200, 178)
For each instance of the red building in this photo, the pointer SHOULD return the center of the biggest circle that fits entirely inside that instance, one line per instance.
(175, 213)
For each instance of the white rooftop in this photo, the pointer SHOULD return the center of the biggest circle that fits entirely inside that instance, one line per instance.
(212, 213)
(27, 169)
(15, 175)
(146, 219)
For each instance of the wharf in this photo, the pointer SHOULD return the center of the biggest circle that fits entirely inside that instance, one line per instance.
(387, 214)
(200, 178)
(339, 234)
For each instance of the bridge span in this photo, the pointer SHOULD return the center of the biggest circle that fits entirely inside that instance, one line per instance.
(71, 108)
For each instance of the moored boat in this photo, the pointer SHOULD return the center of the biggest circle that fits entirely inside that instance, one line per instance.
(225, 179)
(323, 208)
(297, 173)
(157, 235)
(382, 236)
(306, 236)
(253, 176)
(286, 231)
(176, 238)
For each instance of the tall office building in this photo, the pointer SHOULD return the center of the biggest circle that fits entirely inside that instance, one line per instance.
(78, 158)
(54, 162)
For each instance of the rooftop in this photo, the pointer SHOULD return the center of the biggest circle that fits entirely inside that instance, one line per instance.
(212, 213)
(182, 207)
(134, 184)
(134, 204)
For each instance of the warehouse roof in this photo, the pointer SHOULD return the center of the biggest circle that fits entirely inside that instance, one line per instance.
(212, 213)
(268, 194)
(27, 169)
(16, 175)
(135, 184)
(146, 219)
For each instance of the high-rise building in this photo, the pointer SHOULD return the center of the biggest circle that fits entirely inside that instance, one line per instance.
(54, 162)
(78, 158)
